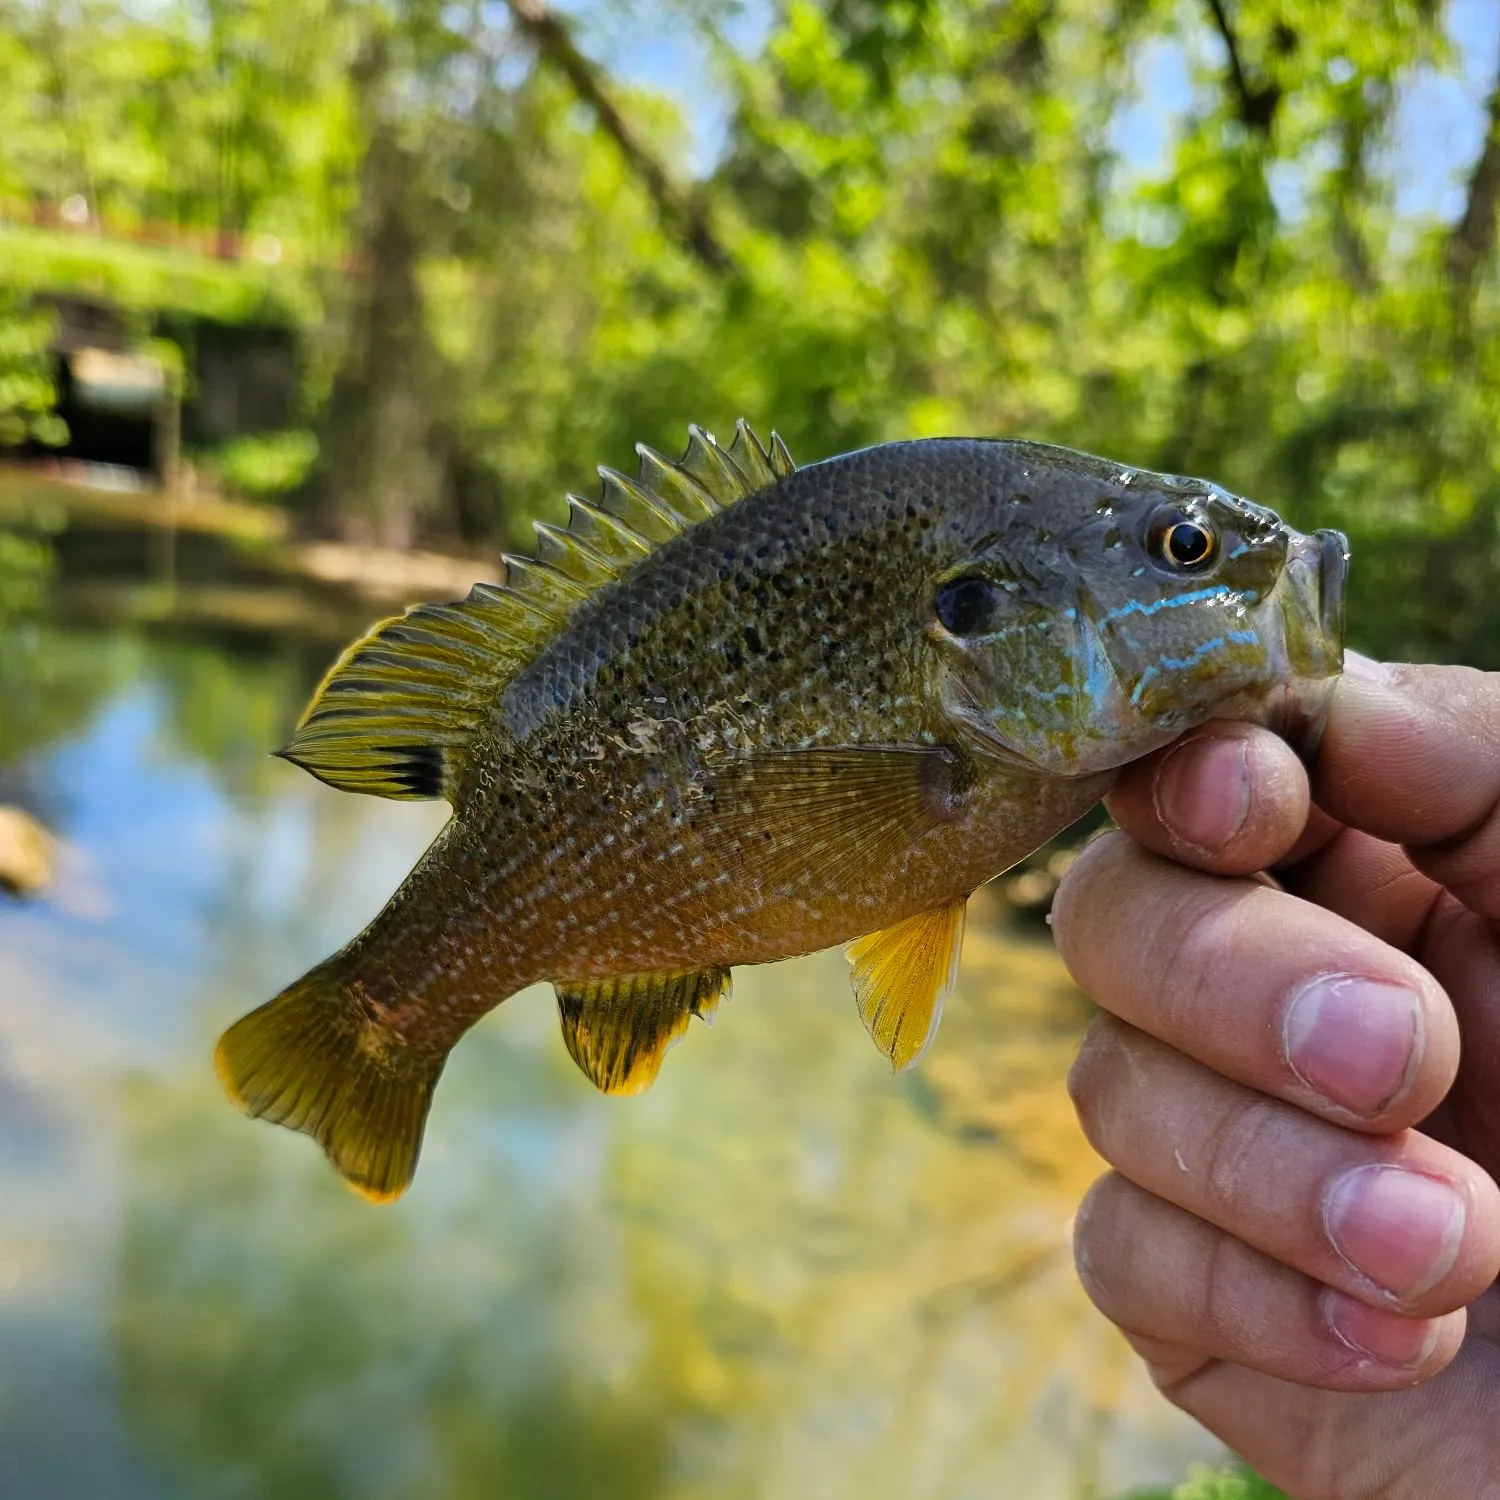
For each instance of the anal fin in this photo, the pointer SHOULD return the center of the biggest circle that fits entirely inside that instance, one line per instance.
(618, 1030)
(901, 977)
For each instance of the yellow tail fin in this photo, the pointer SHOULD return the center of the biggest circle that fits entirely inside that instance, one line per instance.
(312, 1060)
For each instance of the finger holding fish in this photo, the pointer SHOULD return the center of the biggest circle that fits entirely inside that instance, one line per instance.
(1260, 986)
(1399, 1221)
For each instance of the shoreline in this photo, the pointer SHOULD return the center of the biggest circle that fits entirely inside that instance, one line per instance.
(51, 505)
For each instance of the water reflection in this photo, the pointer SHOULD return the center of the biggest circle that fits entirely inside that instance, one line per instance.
(780, 1273)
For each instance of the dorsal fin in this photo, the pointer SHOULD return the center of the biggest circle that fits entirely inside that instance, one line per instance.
(395, 713)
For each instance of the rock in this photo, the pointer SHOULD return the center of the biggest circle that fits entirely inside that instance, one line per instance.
(28, 854)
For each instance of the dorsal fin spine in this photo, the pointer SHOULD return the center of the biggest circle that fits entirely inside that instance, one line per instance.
(572, 555)
(673, 483)
(712, 467)
(554, 591)
(616, 540)
(638, 507)
(752, 460)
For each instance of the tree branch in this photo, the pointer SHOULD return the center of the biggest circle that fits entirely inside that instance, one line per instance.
(681, 211)
(1471, 242)
(1256, 105)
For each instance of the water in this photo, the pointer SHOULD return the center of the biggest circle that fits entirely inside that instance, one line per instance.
(782, 1273)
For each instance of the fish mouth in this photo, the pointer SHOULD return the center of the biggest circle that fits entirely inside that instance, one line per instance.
(1333, 574)
(1313, 626)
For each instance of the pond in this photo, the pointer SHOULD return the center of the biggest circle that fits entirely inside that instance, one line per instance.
(781, 1273)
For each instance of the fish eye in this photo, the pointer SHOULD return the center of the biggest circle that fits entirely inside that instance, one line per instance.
(1180, 541)
(966, 606)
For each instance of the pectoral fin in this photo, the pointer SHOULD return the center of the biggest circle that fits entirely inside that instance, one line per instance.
(806, 817)
(901, 977)
(618, 1030)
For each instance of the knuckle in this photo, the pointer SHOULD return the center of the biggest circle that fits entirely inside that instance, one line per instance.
(1195, 941)
(1218, 1300)
(1237, 1155)
(1468, 863)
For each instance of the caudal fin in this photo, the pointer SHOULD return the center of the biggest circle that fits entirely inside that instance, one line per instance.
(312, 1060)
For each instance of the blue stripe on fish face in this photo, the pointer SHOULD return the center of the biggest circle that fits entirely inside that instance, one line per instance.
(1150, 607)
(1196, 657)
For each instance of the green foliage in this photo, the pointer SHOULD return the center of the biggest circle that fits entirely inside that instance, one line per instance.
(144, 279)
(1233, 1483)
(932, 222)
(26, 391)
(267, 465)
(26, 567)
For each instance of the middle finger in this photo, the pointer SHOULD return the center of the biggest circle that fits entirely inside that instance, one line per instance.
(1395, 1221)
(1260, 986)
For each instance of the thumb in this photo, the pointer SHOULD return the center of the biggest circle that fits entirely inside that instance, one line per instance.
(1411, 754)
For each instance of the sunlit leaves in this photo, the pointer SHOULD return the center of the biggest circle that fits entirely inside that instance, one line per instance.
(1051, 218)
(26, 388)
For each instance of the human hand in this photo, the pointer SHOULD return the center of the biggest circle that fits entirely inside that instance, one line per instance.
(1301, 1233)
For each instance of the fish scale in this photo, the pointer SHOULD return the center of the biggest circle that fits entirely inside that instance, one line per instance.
(739, 711)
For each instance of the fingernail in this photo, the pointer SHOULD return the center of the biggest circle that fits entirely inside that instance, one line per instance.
(1366, 668)
(1354, 1041)
(1397, 1228)
(1403, 1343)
(1202, 791)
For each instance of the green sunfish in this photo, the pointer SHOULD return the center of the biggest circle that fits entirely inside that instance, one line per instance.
(738, 711)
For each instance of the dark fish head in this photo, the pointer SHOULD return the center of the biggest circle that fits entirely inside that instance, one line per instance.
(1111, 609)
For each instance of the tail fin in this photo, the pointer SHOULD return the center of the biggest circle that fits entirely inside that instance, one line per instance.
(314, 1061)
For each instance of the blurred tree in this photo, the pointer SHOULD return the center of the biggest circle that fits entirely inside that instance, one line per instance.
(923, 216)
(27, 393)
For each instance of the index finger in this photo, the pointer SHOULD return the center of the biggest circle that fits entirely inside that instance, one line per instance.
(1228, 798)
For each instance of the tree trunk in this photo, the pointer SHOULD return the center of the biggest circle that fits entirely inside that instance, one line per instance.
(682, 212)
(1472, 240)
(382, 478)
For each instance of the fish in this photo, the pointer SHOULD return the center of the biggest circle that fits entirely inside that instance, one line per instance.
(738, 710)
